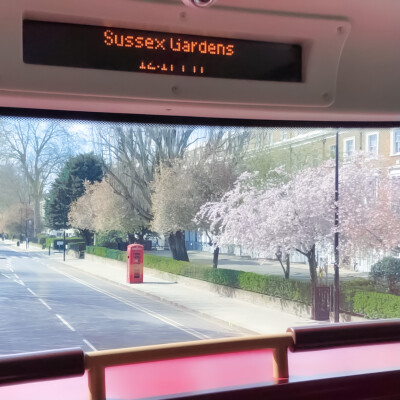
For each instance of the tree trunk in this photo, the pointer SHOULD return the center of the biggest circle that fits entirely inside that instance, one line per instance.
(287, 261)
(37, 220)
(312, 263)
(140, 238)
(137, 237)
(131, 238)
(286, 270)
(176, 243)
(215, 257)
(87, 236)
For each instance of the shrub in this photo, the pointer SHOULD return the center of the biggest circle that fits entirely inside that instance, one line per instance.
(111, 239)
(386, 274)
(41, 238)
(105, 252)
(348, 289)
(377, 305)
(38, 240)
(78, 246)
(50, 241)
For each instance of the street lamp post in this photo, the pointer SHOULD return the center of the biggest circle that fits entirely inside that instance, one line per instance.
(64, 220)
(26, 225)
(336, 278)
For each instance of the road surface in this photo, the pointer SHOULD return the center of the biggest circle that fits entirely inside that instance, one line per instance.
(46, 305)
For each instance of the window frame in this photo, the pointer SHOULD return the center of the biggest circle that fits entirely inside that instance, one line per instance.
(368, 135)
(392, 143)
(345, 141)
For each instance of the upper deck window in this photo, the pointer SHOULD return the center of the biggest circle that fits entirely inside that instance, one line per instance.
(188, 192)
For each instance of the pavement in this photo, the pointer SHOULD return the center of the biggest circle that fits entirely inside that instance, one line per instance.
(298, 271)
(245, 316)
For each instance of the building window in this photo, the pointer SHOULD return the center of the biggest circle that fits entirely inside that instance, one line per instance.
(315, 159)
(372, 143)
(283, 135)
(396, 142)
(259, 140)
(332, 151)
(270, 138)
(349, 147)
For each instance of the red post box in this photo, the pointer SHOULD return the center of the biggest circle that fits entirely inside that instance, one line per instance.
(134, 259)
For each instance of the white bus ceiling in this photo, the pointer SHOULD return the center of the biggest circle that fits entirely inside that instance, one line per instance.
(350, 71)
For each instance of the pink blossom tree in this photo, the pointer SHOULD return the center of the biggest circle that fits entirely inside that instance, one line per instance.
(296, 213)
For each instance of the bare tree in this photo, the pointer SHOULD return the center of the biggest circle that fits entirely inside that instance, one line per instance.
(14, 188)
(182, 186)
(15, 220)
(38, 148)
(131, 154)
(81, 215)
(101, 209)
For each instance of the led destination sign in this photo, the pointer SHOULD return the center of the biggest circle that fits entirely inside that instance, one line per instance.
(86, 46)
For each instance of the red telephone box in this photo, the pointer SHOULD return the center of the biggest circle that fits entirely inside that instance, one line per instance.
(135, 263)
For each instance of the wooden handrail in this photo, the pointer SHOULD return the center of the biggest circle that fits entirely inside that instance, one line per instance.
(109, 358)
(42, 365)
(314, 337)
(97, 361)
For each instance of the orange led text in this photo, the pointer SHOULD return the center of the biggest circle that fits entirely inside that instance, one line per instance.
(203, 47)
(171, 44)
(150, 66)
(133, 41)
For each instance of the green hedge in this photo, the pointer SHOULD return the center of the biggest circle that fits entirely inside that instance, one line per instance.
(265, 284)
(386, 274)
(41, 238)
(348, 289)
(360, 296)
(77, 246)
(50, 241)
(105, 252)
(376, 305)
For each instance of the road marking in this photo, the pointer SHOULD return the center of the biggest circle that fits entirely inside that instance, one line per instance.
(19, 282)
(153, 314)
(7, 276)
(65, 322)
(45, 304)
(31, 291)
(16, 276)
(89, 344)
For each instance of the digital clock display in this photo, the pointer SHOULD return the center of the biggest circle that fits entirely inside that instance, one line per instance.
(86, 46)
